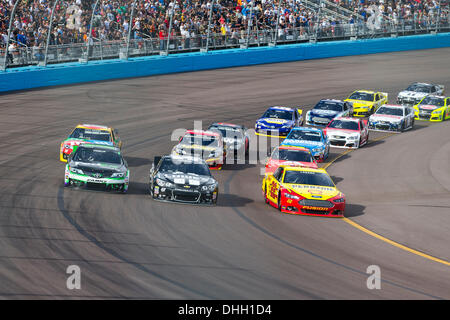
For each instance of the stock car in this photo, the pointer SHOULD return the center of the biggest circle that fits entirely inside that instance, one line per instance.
(182, 179)
(311, 138)
(392, 118)
(366, 102)
(207, 145)
(346, 132)
(97, 166)
(326, 110)
(234, 136)
(417, 91)
(433, 108)
(88, 133)
(303, 191)
(292, 156)
(278, 121)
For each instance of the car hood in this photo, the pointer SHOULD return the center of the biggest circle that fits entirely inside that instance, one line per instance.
(384, 117)
(411, 94)
(313, 192)
(186, 178)
(196, 147)
(98, 166)
(302, 143)
(275, 122)
(345, 132)
(273, 164)
(428, 107)
(359, 103)
(77, 142)
(323, 113)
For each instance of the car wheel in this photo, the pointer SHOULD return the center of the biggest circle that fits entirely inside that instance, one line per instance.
(402, 129)
(279, 202)
(265, 195)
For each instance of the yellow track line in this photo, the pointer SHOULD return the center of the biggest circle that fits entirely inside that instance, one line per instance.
(375, 235)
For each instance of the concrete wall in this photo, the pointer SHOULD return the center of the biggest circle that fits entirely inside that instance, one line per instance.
(71, 73)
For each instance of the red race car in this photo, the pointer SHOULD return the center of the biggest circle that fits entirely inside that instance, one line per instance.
(290, 156)
(346, 132)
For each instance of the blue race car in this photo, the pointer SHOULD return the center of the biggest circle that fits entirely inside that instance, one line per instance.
(326, 110)
(312, 138)
(278, 121)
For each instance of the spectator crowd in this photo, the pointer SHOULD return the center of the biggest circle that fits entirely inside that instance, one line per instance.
(111, 19)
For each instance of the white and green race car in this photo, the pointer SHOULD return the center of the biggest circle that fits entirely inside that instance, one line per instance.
(97, 166)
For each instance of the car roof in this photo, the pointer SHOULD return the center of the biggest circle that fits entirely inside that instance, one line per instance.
(347, 119)
(332, 100)
(293, 148)
(202, 132)
(280, 108)
(306, 129)
(394, 106)
(435, 96)
(225, 124)
(302, 169)
(365, 91)
(93, 127)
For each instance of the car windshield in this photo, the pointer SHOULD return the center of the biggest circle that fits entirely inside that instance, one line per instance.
(228, 132)
(96, 155)
(292, 155)
(91, 134)
(305, 135)
(342, 124)
(170, 166)
(390, 111)
(419, 88)
(278, 114)
(433, 101)
(363, 96)
(309, 178)
(329, 105)
(200, 140)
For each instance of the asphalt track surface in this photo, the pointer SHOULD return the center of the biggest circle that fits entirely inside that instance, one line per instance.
(129, 246)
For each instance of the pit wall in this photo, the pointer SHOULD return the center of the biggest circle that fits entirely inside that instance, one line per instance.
(72, 73)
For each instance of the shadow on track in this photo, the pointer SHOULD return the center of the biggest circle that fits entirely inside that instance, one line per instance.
(134, 162)
(353, 210)
(232, 200)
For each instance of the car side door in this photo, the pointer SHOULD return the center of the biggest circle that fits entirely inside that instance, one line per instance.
(447, 110)
(273, 185)
(363, 130)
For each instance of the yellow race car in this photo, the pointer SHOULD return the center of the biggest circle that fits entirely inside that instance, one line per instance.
(366, 102)
(433, 108)
(304, 191)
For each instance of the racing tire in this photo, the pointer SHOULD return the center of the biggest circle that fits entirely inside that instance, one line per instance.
(266, 200)
(279, 202)
(402, 129)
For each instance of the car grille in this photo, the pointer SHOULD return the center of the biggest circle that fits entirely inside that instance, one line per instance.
(92, 172)
(310, 211)
(339, 143)
(338, 137)
(424, 114)
(96, 186)
(186, 196)
(316, 203)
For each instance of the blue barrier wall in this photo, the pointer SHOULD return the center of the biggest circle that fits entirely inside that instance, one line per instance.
(71, 73)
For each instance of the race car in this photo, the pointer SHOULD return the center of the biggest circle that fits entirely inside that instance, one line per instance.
(417, 91)
(303, 191)
(311, 138)
(346, 132)
(182, 179)
(292, 156)
(278, 121)
(392, 118)
(433, 108)
(207, 145)
(326, 110)
(97, 166)
(366, 102)
(90, 133)
(235, 138)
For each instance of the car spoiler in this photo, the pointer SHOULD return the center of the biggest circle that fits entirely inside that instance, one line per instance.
(384, 94)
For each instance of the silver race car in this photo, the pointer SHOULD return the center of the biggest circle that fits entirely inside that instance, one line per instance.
(417, 91)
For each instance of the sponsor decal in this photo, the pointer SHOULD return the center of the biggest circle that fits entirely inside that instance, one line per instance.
(315, 208)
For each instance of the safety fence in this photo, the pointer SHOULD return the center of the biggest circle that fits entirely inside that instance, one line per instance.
(141, 45)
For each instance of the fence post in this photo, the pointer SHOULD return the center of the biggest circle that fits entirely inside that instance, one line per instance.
(209, 26)
(49, 32)
(318, 19)
(9, 34)
(170, 29)
(278, 22)
(438, 22)
(250, 22)
(90, 31)
(130, 27)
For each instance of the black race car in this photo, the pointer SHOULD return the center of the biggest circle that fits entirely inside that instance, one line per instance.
(235, 138)
(182, 179)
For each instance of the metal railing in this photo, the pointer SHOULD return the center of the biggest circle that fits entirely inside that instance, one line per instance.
(143, 45)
